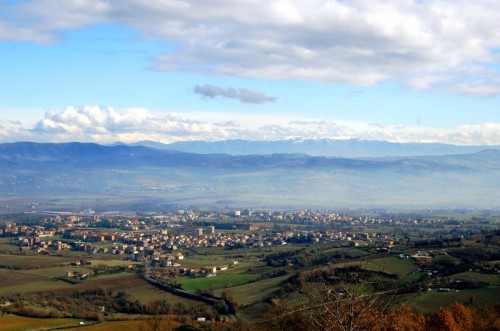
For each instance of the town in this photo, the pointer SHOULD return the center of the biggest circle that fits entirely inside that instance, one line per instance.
(225, 265)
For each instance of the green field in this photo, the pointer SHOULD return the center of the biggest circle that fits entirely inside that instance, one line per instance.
(112, 262)
(20, 323)
(6, 247)
(27, 281)
(247, 252)
(491, 279)
(200, 261)
(18, 282)
(32, 261)
(254, 292)
(145, 293)
(55, 272)
(390, 265)
(431, 301)
(219, 281)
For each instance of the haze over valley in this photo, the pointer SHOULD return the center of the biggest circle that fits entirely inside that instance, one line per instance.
(137, 177)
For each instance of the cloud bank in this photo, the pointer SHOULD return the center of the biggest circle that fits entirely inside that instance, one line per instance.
(242, 94)
(448, 46)
(108, 125)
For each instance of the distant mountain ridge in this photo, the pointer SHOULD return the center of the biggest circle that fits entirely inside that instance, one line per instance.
(117, 175)
(317, 147)
(90, 154)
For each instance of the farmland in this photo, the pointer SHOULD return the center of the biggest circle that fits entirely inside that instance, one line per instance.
(220, 281)
(20, 323)
(130, 274)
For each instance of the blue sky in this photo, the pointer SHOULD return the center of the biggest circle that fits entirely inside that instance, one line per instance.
(130, 70)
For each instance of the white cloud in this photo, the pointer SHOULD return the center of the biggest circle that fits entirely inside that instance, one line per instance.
(423, 44)
(108, 125)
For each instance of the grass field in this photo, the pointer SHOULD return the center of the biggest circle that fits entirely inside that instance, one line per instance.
(219, 281)
(32, 261)
(146, 293)
(491, 279)
(20, 323)
(112, 262)
(431, 301)
(199, 261)
(36, 285)
(40, 280)
(390, 265)
(54, 272)
(29, 281)
(12, 278)
(251, 293)
(6, 247)
(113, 326)
(221, 251)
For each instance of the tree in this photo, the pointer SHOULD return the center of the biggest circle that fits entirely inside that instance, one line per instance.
(157, 321)
(402, 318)
(346, 307)
(457, 317)
(335, 299)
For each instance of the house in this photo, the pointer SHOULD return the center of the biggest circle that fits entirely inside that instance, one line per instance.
(210, 269)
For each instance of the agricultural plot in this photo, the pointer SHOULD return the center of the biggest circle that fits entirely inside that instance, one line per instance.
(42, 285)
(19, 323)
(12, 278)
(31, 261)
(493, 280)
(146, 293)
(6, 247)
(56, 271)
(431, 301)
(219, 281)
(30, 281)
(254, 292)
(389, 265)
(200, 261)
(115, 326)
(112, 262)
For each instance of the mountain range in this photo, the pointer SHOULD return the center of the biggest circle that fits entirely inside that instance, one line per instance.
(351, 148)
(57, 176)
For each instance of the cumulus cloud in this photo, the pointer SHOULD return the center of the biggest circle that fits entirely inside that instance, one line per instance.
(423, 44)
(242, 94)
(107, 125)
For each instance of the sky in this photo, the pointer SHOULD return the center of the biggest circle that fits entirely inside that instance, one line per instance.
(174, 70)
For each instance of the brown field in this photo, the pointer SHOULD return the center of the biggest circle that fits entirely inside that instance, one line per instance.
(113, 326)
(6, 247)
(43, 280)
(28, 282)
(32, 261)
(19, 323)
(114, 282)
(12, 278)
(146, 293)
(24, 284)
(131, 325)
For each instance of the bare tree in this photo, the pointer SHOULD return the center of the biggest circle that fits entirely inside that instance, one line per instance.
(330, 300)
(157, 321)
(345, 306)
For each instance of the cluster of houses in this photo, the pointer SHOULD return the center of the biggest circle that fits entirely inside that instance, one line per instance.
(205, 271)
(159, 234)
